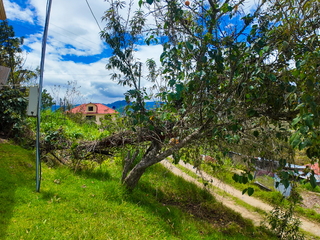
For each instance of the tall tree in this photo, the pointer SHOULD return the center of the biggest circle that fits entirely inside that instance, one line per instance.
(11, 55)
(228, 86)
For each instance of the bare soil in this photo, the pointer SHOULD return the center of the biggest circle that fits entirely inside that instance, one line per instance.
(311, 200)
(306, 225)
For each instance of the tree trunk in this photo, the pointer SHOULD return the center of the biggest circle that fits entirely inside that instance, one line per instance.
(128, 163)
(134, 176)
(148, 160)
(152, 156)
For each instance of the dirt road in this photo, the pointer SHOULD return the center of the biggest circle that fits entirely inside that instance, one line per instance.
(306, 225)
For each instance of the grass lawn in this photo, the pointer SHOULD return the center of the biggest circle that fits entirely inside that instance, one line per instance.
(93, 204)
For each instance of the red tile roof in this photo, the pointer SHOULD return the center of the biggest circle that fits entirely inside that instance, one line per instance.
(101, 109)
(315, 167)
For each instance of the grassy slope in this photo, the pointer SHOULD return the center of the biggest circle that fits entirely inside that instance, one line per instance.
(94, 205)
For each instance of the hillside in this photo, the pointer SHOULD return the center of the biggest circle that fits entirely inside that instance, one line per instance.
(92, 204)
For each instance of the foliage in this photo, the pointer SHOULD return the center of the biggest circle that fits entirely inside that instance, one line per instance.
(308, 187)
(100, 208)
(12, 111)
(11, 56)
(284, 224)
(227, 79)
(46, 100)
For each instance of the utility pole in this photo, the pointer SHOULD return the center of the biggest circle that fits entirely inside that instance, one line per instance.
(43, 54)
(139, 75)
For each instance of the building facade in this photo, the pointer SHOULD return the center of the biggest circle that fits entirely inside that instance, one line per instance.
(93, 111)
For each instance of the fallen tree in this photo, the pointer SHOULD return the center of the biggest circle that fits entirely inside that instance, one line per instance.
(221, 86)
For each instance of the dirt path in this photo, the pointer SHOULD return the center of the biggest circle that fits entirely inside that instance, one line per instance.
(306, 225)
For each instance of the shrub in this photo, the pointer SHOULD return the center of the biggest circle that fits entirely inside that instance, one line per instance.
(12, 111)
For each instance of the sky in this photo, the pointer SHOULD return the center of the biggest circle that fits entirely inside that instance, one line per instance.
(75, 51)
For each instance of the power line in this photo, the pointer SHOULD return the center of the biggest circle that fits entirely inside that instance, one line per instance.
(61, 35)
(93, 16)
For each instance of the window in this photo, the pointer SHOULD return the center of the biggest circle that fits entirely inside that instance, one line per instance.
(90, 118)
(90, 109)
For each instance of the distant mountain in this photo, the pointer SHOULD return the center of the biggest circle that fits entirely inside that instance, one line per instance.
(118, 105)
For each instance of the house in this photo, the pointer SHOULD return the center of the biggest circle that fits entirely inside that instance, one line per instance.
(93, 111)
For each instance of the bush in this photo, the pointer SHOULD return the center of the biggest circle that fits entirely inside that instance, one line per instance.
(12, 111)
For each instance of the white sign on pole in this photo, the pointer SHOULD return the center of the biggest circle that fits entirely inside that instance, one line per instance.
(4, 74)
(32, 109)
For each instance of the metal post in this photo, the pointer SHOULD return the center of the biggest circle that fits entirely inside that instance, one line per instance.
(43, 53)
(139, 75)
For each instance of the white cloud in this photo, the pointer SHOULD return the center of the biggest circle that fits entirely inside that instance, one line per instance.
(72, 39)
(15, 12)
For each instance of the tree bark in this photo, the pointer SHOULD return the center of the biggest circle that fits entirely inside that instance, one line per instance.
(128, 163)
(134, 176)
(154, 156)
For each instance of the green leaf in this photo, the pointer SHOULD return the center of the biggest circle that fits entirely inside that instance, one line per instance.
(296, 142)
(140, 3)
(291, 88)
(150, 1)
(296, 120)
(251, 112)
(282, 163)
(235, 177)
(285, 44)
(174, 110)
(266, 48)
(310, 84)
(296, 73)
(176, 158)
(250, 191)
(244, 180)
(313, 181)
(179, 88)
(272, 77)
(244, 191)
(309, 122)
(162, 56)
(172, 82)
(189, 46)
(286, 183)
(306, 143)
(295, 139)
(250, 176)
(298, 64)
(256, 133)
(285, 175)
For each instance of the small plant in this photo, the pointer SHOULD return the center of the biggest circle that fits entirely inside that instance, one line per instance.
(284, 224)
(282, 221)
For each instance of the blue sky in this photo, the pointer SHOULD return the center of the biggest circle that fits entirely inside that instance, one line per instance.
(75, 50)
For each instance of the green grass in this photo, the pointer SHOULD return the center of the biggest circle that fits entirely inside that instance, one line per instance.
(73, 128)
(308, 187)
(94, 205)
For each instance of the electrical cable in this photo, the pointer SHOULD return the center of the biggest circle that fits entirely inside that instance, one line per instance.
(63, 35)
(93, 15)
